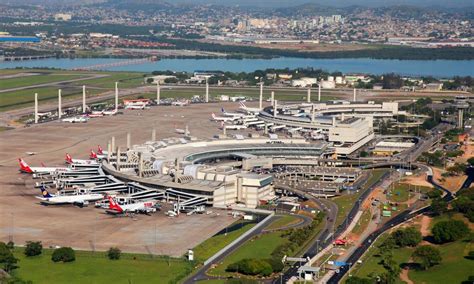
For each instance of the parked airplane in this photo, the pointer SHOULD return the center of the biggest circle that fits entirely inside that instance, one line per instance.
(70, 160)
(100, 151)
(232, 114)
(25, 168)
(109, 112)
(221, 118)
(180, 103)
(139, 207)
(78, 119)
(136, 106)
(95, 114)
(77, 199)
(95, 156)
(253, 110)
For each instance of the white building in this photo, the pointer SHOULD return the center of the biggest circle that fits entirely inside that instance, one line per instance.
(350, 134)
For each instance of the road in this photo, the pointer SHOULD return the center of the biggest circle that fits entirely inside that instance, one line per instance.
(399, 219)
(200, 274)
(328, 234)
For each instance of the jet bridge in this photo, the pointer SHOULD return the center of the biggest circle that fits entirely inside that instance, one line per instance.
(116, 186)
(85, 181)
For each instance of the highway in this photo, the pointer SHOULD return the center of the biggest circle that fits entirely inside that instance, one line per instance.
(328, 235)
(200, 274)
(399, 219)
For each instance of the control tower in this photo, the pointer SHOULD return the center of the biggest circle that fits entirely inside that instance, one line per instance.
(461, 105)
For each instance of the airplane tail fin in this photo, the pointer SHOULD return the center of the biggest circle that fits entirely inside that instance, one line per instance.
(113, 205)
(45, 193)
(68, 158)
(93, 155)
(24, 167)
(99, 150)
(222, 110)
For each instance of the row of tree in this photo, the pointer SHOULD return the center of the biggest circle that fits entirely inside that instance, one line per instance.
(265, 267)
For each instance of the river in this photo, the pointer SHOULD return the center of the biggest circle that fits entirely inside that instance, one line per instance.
(436, 68)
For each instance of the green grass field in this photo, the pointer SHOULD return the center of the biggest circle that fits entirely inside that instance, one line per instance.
(400, 192)
(283, 221)
(37, 79)
(90, 268)
(454, 267)
(371, 261)
(346, 202)
(24, 98)
(212, 245)
(260, 247)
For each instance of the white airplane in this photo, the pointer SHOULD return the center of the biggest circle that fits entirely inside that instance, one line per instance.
(139, 207)
(180, 103)
(94, 114)
(232, 114)
(78, 119)
(77, 199)
(25, 168)
(109, 112)
(252, 110)
(136, 106)
(70, 160)
(221, 118)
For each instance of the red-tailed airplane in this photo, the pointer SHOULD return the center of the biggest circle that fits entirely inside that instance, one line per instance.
(70, 160)
(139, 207)
(25, 168)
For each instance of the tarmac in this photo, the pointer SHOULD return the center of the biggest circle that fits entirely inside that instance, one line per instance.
(23, 219)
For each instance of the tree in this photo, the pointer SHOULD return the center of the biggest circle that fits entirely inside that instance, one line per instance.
(33, 248)
(114, 253)
(407, 237)
(392, 81)
(251, 266)
(64, 254)
(449, 231)
(438, 206)
(470, 161)
(427, 256)
(7, 260)
(364, 154)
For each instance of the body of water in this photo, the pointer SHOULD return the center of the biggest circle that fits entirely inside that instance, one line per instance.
(436, 68)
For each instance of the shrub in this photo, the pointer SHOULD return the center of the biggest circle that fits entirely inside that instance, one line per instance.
(114, 253)
(33, 248)
(251, 266)
(449, 231)
(427, 256)
(64, 254)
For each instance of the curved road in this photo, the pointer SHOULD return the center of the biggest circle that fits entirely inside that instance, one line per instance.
(401, 218)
